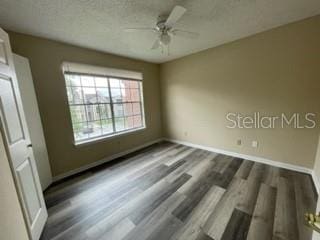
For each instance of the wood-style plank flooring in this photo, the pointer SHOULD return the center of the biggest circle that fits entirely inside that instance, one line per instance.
(173, 192)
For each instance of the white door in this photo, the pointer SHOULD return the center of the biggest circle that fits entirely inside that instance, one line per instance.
(31, 111)
(13, 125)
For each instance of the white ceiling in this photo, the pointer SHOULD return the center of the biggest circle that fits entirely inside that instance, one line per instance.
(99, 24)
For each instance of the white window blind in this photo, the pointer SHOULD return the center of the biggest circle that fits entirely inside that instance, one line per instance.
(103, 71)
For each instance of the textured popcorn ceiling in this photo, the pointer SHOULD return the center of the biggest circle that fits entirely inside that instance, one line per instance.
(99, 24)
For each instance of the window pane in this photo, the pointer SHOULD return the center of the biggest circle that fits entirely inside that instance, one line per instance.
(73, 80)
(135, 95)
(136, 108)
(137, 122)
(79, 130)
(123, 95)
(77, 95)
(93, 112)
(105, 111)
(89, 95)
(116, 95)
(70, 96)
(78, 114)
(125, 84)
(120, 124)
(129, 122)
(94, 129)
(114, 83)
(118, 110)
(127, 108)
(90, 105)
(87, 81)
(103, 95)
(101, 82)
(126, 96)
(107, 126)
(134, 84)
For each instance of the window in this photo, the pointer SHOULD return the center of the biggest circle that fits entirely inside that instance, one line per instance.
(103, 106)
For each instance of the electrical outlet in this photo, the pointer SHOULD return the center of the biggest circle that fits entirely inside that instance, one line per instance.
(239, 142)
(255, 144)
(185, 133)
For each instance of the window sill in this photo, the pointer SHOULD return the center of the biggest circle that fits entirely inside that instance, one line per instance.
(107, 137)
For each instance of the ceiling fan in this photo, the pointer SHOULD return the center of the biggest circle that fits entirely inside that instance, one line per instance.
(165, 28)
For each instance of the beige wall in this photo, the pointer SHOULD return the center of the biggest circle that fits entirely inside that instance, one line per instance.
(12, 225)
(272, 72)
(45, 58)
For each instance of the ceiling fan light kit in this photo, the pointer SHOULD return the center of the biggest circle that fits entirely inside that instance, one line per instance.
(165, 39)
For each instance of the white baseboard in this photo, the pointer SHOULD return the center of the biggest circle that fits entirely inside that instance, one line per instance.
(247, 157)
(104, 160)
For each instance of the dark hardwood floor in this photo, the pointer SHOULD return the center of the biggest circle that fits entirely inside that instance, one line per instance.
(169, 191)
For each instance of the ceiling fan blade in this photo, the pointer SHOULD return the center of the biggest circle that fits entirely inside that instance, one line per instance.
(176, 13)
(156, 44)
(139, 29)
(185, 34)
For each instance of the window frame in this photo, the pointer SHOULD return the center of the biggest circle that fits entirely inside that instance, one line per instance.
(114, 132)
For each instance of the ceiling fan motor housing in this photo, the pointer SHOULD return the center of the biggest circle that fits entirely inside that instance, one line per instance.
(161, 26)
